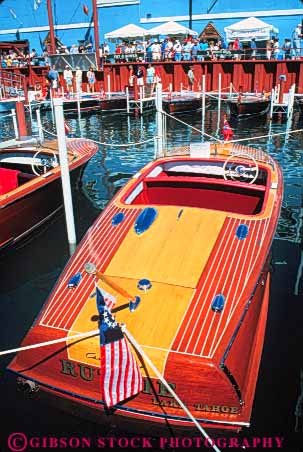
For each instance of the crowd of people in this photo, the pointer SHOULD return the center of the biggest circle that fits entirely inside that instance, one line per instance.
(19, 58)
(190, 49)
(169, 49)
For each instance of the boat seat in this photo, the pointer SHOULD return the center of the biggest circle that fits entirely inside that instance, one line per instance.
(25, 177)
(8, 180)
(163, 177)
(200, 192)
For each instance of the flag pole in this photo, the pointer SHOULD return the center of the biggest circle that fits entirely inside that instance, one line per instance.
(92, 270)
(167, 386)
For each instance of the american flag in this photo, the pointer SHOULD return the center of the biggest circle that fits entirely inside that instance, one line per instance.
(109, 299)
(120, 374)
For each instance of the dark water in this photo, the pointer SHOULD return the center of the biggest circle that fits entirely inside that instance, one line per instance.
(29, 272)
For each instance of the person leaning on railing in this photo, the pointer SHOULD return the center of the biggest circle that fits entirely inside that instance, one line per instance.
(287, 49)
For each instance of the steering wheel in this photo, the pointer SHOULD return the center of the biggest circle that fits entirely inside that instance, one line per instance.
(45, 162)
(236, 170)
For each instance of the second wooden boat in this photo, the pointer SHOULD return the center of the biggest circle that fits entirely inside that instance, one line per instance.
(182, 102)
(30, 185)
(248, 106)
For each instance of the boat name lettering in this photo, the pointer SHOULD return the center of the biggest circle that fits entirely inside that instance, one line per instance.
(77, 370)
(216, 408)
(161, 390)
(168, 403)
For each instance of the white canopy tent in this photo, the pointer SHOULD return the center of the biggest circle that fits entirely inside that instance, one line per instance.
(171, 29)
(250, 28)
(130, 31)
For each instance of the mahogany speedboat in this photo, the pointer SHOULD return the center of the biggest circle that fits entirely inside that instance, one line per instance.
(71, 104)
(187, 101)
(115, 102)
(191, 235)
(30, 185)
(247, 106)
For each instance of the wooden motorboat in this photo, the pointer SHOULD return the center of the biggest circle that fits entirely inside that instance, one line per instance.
(30, 185)
(182, 102)
(71, 104)
(191, 235)
(248, 106)
(299, 103)
(87, 103)
(115, 102)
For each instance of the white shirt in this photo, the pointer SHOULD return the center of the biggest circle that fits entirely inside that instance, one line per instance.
(67, 74)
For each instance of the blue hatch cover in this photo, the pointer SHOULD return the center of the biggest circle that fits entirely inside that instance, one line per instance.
(118, 218)
(74, 281)
(242, 231)
(218, 303)
(145, 219)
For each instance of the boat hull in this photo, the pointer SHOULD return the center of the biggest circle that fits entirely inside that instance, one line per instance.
(182, 104)
(248, 108)
(35, 201)
(115, 103)
(35, 208)
(154, 409)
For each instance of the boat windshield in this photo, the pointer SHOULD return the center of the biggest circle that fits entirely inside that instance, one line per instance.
(203, 184)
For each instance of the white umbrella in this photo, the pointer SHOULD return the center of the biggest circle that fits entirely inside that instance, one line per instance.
(171, 29)
(250, 28)
(130, 31)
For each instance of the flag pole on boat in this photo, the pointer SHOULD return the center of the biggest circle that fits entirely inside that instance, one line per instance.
(168, 387)
(65, 177)
(132, 340)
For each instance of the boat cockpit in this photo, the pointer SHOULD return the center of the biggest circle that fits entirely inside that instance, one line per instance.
(19, 165)
(232, 184)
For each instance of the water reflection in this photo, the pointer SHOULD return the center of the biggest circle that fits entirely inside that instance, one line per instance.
(114, 164)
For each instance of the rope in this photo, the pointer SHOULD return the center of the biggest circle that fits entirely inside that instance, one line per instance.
(138, 143)
(191, 127)
(265, 136)
(55, 341)
(142, 353)
(156, 371)
(50, 133)
(6, 116)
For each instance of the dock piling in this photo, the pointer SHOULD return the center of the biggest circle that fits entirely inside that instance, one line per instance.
(15, 123)
(108, 86)
(203, 106)
(159, 147)
(219, 101)
(127, 99)
(20, 112)
(40, 130)
(65, 176)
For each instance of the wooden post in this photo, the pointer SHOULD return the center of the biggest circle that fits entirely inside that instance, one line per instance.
(159, 150)
(20, 112)
(65, 176)
(15, 123)
(96, 32)
(51, 27)
(203, 105)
